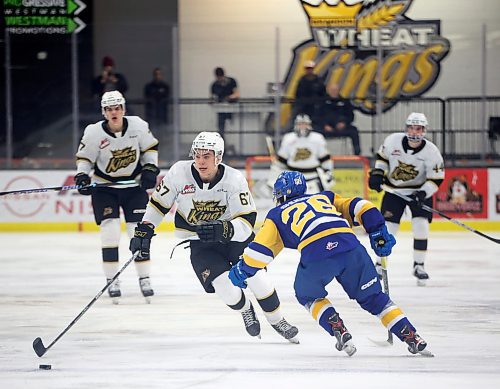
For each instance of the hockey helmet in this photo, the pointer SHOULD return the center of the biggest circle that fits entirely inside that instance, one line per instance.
(289, 185)
(208, 141)
(416, 119)
(302, 125)
(111, 99)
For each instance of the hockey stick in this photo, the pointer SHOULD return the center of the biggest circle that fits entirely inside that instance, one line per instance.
(38, 346)
(270, 147)
(385, 282)
(68, 187)
(432, 210)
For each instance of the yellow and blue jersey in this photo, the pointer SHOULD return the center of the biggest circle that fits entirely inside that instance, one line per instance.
(318, 225)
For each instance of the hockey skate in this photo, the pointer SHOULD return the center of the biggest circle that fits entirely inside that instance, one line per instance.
(147, 291)
(344, 338)
(416, 345)
(420, 273)
(252, 324)
(287, 331)
(114, 291)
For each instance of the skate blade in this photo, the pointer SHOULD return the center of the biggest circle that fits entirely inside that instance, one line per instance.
(148, 300)
(381, 343)
(115, 300)
(421, 282)
(426, 353)
(294, 340)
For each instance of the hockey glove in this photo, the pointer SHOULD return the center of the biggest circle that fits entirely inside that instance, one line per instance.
(82, 179)
(418, 198)
(149, 173)
(141, 241)
(376, 179)
(238, 276)
(382, 242)
(215, 231)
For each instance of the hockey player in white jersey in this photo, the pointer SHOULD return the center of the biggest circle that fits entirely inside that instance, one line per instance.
(216, 213)
(116, 149)
(413, 166)
(305, 151)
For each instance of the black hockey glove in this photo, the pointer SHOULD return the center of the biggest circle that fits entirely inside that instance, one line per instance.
(141, 241)
(82, 179)
(215, 231)
(376, 179)
(149, 173)
(418, 198)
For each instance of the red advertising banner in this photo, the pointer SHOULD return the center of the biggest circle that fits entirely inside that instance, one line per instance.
(464, 193)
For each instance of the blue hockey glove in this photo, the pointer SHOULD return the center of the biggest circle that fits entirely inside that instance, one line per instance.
(238, 276)
(418, 198)
(382, 242)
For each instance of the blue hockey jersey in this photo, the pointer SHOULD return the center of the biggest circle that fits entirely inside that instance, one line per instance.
(319, 226)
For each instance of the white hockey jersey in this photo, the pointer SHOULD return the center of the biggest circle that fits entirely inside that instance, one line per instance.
(116, 157)
(227, 198)
(305, 153)
(409, 169)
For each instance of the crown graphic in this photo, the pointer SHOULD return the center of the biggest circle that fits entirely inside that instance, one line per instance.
(325, 15)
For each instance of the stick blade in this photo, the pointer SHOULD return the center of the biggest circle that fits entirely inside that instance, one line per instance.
(381, 343)
(39, 347)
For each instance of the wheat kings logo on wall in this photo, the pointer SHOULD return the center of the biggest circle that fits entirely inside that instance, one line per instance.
(346, 35)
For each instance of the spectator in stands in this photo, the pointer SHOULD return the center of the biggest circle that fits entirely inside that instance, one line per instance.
(335, 117)
(108, 80)
(310, 92)
(223, 90)
(156, 94)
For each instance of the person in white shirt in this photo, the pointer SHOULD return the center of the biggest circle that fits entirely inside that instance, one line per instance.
(413, 166)
(116, 149)
(216, 214)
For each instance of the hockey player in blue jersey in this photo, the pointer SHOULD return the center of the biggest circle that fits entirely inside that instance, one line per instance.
(320, 227)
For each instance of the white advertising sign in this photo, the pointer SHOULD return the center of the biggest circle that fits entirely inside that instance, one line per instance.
(50, 206)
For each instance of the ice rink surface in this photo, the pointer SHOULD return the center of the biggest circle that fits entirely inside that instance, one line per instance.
(188, 339)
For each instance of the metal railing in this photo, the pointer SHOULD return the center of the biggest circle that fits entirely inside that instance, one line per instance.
(458, 126)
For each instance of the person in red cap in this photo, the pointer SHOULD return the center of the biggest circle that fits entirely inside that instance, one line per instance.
(108, 80)
(310, 92)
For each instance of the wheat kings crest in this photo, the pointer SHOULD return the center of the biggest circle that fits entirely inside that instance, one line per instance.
(227, 198)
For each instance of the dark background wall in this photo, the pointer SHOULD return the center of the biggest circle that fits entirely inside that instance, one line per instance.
(138, 35)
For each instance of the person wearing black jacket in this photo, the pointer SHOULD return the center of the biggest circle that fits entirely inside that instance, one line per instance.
(335, 117)
(310, 92)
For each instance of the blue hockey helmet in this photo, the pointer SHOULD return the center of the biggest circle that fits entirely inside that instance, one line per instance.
(289, 185)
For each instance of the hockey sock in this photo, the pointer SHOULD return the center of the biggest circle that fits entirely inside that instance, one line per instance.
(230, 294)
(110, 268)
(266, 296)
(143, 268)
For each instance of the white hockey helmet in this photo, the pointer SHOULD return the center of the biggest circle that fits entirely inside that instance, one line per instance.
(302, 125)
(111, 99)
(416, 119)
(208, 141)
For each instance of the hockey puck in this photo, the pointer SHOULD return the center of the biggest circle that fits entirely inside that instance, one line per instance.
(45, 367)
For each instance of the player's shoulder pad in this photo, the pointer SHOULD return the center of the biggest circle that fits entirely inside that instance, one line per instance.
(234, 178)
(136, 123)
(94, 128)
(316, 136)
(180, 168)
